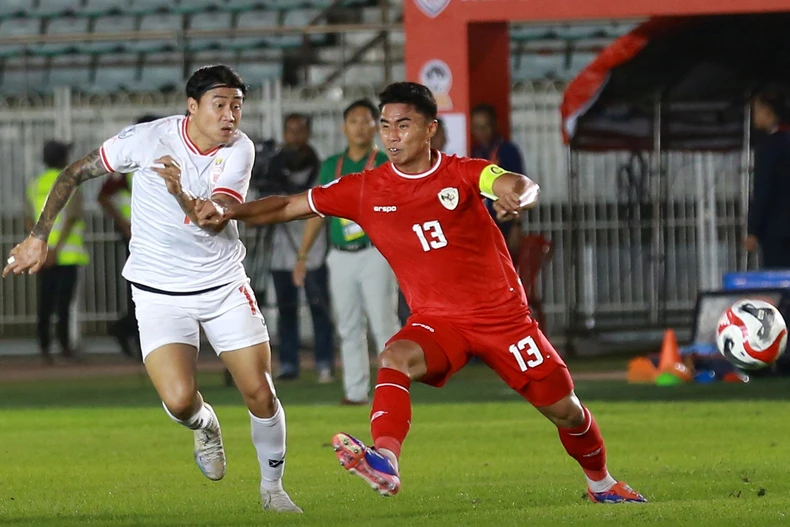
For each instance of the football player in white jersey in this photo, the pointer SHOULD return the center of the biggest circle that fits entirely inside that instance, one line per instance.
(185, 277)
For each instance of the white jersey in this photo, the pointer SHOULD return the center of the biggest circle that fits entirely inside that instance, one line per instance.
(167, 250)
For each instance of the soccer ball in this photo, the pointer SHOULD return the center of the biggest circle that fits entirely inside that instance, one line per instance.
(751, 334)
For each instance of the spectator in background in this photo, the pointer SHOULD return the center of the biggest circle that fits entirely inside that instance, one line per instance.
(490, 145)
(769, 215)
(57, 284)
(294, 169)
(115, 199)
(362, 284)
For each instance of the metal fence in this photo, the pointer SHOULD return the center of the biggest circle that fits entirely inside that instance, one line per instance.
(623, 261)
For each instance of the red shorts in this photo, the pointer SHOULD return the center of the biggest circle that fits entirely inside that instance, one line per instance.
(514, 347)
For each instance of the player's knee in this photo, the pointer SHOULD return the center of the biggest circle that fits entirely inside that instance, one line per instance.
(566, 413)
(259, 399)
(181, 402)
(394, 358)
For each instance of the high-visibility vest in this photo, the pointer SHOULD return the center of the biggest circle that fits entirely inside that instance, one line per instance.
(123, 199)
(73, 251)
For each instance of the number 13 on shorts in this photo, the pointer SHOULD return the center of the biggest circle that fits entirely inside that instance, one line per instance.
(526, 353)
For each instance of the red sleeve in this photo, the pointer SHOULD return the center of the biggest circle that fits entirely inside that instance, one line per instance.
(340, 198)
(471, 170)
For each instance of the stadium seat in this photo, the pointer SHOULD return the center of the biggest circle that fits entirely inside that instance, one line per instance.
(300, 18)
(170, 23)
(161, 71)
(241, 6)
(255, 20)
(15, 8)
(254, 73)
(19, 81)
(20, 27)
(196, 6)
(95, 8)
(148, 7)
(114, 72)
(73, 71)
(57, 8)
(209, 21)
(114, 24)
(11, 51)
(64, 25)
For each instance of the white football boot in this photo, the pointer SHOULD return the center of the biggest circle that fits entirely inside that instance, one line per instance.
(209, 451)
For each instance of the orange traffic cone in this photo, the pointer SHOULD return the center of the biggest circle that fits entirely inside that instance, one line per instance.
(670, 355)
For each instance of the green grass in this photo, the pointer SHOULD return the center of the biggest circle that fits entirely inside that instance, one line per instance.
(102, 452)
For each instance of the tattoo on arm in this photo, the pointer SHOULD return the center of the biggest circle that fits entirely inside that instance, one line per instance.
(89, 167)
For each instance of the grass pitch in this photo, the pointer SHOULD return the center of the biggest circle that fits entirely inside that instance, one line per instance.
(102, 452)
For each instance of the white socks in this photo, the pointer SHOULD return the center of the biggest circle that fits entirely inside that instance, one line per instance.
(601, 486)
(268, 436)
(204, 418)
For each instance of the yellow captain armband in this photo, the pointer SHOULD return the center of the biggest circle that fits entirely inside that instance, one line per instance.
(487, 178)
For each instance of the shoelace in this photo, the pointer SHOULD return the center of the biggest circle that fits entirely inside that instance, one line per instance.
(212, 447)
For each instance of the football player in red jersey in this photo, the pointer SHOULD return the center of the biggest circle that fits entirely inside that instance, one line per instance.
(424, 212)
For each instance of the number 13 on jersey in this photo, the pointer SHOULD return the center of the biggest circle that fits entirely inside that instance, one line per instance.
(430, 234)
(526, 348)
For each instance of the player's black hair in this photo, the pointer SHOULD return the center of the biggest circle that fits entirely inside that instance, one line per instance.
(56, 154)
(210, 77)
(362, 103)
(486, 109)
(412, 93)
(777, 99)
(297, 115)
(147, 118)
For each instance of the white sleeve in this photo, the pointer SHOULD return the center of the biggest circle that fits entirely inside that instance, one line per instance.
(126, 151)
(234, 174)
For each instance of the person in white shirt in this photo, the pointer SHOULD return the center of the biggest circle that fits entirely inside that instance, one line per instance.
(185, 277)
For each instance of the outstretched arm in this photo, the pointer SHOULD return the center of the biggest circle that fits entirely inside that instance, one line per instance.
(74, 175)
(31, 254)
(264, 211)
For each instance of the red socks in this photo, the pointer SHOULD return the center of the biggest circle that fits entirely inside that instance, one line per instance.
(390, 417)
(585, 445)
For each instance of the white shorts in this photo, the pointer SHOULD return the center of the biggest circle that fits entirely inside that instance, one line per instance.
(229, 316)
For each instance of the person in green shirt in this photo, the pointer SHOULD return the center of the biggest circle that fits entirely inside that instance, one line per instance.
(359, 277)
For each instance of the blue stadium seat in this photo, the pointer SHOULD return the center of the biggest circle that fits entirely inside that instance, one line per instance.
(57, 8)
(242, 6)
(114, 72)
(15, 8)
(209, 21)
(161, 72)
(196, 6)
(299, 18)
(73, 71)
(254, 73)
(9, 51)
(94, 8)
(148, 7)
(158, 22)
(65, 25)
(18, 81)
(114, 24)
(251, 20)
(20, 26)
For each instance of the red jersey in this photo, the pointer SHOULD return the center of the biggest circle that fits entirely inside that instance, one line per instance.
(436, 233)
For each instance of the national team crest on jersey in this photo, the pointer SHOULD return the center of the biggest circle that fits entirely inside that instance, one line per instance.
(432, 8)
(448, 197)
(216, 170)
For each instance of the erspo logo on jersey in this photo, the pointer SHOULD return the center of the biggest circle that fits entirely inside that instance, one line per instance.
(386, 208)
(432, 8)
